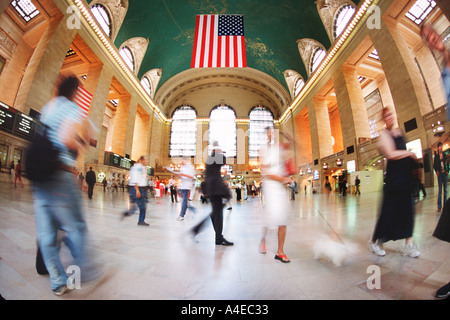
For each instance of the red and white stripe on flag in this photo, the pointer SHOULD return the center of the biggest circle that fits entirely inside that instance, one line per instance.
(213, 49)
(83, 100)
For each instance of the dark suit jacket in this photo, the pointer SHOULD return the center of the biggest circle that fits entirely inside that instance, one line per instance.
(215, 186)
(90, 177)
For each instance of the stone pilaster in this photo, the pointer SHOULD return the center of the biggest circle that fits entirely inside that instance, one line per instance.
(242, 146)
(402, 74)
(3, 5)
(98, 83)
(44, 67)
(444, 5)
(351, 106)
(319, 123)
(124, 126)
(303, 140)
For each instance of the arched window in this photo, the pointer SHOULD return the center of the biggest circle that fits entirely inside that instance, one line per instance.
(316, 59)
(127, 57)
(147, 85)
(260, 119)
(25, 8)
(102, 17)
(183, 132)
(342, 17)
(299, 84)
(222, 128)
(420, 10)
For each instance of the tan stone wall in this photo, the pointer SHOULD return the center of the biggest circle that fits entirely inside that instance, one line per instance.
(13, 71)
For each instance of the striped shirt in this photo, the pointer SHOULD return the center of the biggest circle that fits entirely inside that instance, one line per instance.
(59, 115)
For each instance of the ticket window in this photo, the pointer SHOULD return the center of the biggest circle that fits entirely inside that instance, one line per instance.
(3, 156)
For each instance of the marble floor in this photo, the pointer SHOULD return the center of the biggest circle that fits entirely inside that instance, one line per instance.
(161, 262)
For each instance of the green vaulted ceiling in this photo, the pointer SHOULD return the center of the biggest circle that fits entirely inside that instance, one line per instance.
(271, 31)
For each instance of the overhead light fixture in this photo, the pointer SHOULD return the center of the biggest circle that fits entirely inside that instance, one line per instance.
(438, 129)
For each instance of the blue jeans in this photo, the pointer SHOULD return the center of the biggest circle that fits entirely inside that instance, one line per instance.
(57, 206)
(442, 181)
(185, 204)
(141, 202)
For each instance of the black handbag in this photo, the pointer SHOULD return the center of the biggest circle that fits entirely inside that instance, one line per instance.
(442, 230)
(41, 157)
(40, 264)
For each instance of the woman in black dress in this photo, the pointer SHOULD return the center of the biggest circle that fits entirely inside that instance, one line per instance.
(396, 220)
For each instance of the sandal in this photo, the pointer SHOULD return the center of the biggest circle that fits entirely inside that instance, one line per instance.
(262, 249)
(282, 258)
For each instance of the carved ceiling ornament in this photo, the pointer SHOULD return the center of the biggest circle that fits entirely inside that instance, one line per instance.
(153, 76)
(306, 48)
(138, 47)
(117, 9)
(291, 78)
(327, 10)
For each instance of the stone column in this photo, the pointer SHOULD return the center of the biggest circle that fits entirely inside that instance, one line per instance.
(3, 5)
(444, 5)
(242, 146)
(142, 136)
(98, 83)
(319, 123)
(303, 140)
(124, 126)
(402, 74)
(45, 65)
(157, 137)
(351, 106)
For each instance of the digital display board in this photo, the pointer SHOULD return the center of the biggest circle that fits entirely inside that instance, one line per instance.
(7, 117)
(16, 122)
(112, 159)
(24, 126)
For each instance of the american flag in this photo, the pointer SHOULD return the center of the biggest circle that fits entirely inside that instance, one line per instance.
(219, 42)
(83, 100)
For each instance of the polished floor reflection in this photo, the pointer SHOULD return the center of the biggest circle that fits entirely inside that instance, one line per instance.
(162, 262)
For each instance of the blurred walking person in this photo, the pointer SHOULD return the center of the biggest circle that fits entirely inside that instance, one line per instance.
(90, 180)
(218, 193)
(275, 205)
(187, 176)
(396, 219)
(434, 41)
(13, 173)
(18, 174)
(173, 189)
(440, 166)
(137, 188)
(357, 185)
(57, 201)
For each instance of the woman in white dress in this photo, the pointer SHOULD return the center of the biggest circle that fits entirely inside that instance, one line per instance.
(274, 193)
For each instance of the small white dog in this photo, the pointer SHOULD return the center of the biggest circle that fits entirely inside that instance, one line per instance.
(336, 252)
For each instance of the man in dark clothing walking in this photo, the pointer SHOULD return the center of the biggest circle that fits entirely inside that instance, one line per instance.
(440, 166)
(218, 192)
(357, 184)
(90, 180)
